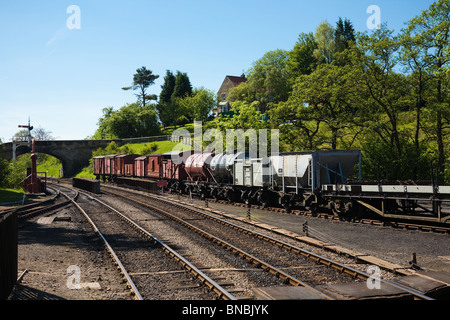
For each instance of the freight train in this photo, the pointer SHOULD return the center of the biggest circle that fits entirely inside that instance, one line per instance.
(328, 180)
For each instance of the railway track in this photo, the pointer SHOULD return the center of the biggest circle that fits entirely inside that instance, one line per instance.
(29, 211)
(285, 261)
(47, 207)
(151, 268)
(387, 222)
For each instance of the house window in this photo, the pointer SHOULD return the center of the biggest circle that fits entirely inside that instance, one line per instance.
(224, 96)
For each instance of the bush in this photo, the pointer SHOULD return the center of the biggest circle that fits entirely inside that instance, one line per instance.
(5, 171)
(149, 149)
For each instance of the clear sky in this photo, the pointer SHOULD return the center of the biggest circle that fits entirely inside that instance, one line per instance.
(62, 78)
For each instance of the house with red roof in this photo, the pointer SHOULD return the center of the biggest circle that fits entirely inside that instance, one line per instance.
(223, 104)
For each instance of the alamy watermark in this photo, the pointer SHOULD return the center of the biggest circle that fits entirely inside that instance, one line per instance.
(74, 20)
(236, 140)
(374, 20)
(374, 281)
(74, 280)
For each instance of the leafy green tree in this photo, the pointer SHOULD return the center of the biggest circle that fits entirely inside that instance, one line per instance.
(104, 131)
(246, 116)
(413, 56)
(182, 87)
(165, 106)
(167, 88)
(269, 78)
(130, 121)
(380, 160)
(326, 92)
(298, 125)
(5, 171)
(198, 105)
(301, 57)
(177, 113)
(326, 45)
(431, 29)
(243, 92)
(142, 79)
(343, 34)
(379, 90)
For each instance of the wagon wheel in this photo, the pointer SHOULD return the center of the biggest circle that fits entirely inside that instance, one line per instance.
(344, 210)
(230, 195)
(263, 199)
(264, 202)
(286, 203)
(336, 208)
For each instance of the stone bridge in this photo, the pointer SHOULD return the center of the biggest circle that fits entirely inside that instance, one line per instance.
(74, 154)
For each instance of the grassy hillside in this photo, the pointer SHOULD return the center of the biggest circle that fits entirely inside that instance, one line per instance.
(51, 165)
(149, 147)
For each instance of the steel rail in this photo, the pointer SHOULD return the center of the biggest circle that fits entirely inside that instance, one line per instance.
(198, 274)
(319, 259)
(250, 258)
(124, 272)
(32, 206)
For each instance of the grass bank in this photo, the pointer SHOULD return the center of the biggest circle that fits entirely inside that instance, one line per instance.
(10, 195)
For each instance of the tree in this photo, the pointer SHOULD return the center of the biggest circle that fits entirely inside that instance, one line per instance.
(182, 87)
(5, 171)
(199, 104)
(243, 92)
(326, 46)
(297, 124)
(42, 134)
(326, 93)
(142, 79)
(167, 88)
(413, 55)
(165, 106)
(343, 34)
(301, 58)
(379, 90)
(181, 90)
(432, 30)
(269, 78)
(104, 131)
(132, 120)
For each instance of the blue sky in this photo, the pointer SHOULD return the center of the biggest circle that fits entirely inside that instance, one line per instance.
(63, 78)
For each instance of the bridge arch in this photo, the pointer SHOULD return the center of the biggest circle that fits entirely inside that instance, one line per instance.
(73, 154)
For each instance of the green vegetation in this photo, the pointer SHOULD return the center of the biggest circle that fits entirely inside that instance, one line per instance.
(49, 164)
(385, 94)
(132, 120)
(142, 79)
(12, 174)
(178, 105)
(10, 195)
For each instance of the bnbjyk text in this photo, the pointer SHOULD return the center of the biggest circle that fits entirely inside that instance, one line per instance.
(245, 309)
